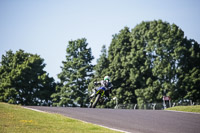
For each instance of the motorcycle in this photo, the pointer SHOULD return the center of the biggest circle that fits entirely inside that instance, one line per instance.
(98, 98)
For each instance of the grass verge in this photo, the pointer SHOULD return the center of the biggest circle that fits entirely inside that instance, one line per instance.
(16, 119)
(195, 108)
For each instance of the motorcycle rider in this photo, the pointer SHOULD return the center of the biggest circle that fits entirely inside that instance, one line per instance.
(106, 84)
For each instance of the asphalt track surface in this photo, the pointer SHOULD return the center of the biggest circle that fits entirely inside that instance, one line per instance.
(134, 121)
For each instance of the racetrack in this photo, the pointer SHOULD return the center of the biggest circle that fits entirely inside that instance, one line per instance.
(142, 121)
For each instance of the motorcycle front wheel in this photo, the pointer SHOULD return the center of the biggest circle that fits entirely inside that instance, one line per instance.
(94, 104)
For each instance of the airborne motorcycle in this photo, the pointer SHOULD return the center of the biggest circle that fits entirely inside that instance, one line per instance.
(102, 93)
(98, 98)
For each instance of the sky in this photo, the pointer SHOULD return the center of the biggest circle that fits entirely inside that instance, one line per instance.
(45, 27)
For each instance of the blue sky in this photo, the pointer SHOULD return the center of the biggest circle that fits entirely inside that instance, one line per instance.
(44, 27)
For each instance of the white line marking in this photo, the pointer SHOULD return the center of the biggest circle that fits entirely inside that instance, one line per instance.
(105, 127)
(34, 109)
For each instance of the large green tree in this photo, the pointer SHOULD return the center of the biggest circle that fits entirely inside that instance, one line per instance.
(75, 75)
(23, 80)
(152, 61)
(164, 63)
(156, 45)
(119, 67)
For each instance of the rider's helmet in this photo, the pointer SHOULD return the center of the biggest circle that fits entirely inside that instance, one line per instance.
(106, 78)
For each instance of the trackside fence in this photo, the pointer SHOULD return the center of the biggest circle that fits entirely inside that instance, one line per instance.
(154, 106)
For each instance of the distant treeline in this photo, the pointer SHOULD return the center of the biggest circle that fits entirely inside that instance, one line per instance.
(152, 60)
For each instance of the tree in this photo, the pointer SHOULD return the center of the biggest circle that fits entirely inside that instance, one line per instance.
(75, 75)
(164, 62)
(152, 61)
(156, 42)
(189, 75)
(102, 64)
(23, 80)
(119, 68)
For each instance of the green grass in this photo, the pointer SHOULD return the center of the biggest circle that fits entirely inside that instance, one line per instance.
(195, 108)
(16, 119)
